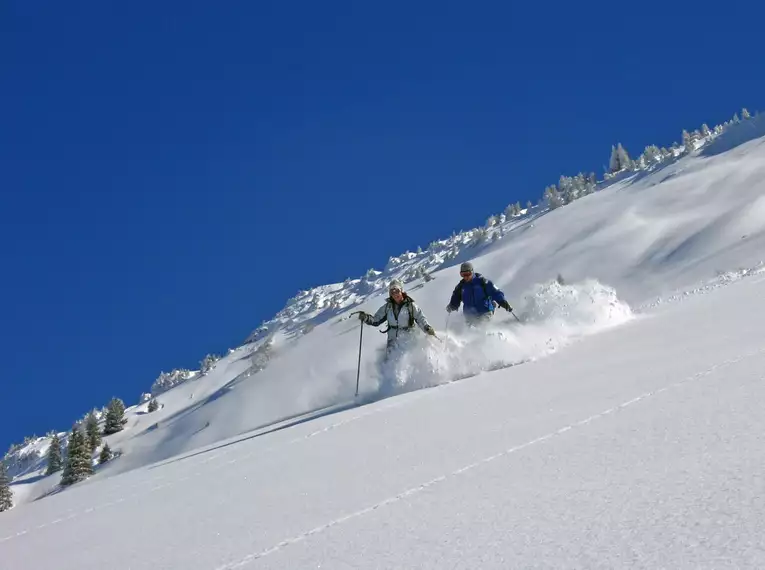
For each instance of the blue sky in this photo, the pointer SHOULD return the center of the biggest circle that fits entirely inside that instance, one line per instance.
(173, 172)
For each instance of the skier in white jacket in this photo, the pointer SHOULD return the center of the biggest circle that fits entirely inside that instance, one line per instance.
(401, 313)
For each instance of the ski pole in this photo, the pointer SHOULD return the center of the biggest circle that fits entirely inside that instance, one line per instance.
(358, 369)
(516, 316)
(446, 328)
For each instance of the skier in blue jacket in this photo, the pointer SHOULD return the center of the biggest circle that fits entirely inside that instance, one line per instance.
(478, 296)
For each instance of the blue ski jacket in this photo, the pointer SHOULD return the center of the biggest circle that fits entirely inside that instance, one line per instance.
(476, 295)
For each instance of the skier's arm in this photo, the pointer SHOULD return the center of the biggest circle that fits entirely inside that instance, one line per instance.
(456, 299)
(495, 293)
(419, 318)
(497, 296)
(379, 317)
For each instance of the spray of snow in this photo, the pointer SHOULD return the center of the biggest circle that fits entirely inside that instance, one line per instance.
(552, 315)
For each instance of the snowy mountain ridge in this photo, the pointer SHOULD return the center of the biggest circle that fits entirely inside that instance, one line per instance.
(326, 303)
(323, 302)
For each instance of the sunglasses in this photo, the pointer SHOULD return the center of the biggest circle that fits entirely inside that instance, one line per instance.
(466, 273)
(395, 291)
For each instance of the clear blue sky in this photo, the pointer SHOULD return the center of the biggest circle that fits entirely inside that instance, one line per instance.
(173, 172)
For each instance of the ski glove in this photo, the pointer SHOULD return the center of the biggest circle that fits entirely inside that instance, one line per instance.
(430, 331)
(505, 305)
(363, 316)
(449, 309)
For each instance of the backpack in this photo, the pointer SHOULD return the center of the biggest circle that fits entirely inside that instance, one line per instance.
(482, 280)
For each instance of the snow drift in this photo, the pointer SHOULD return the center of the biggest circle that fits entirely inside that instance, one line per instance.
(551, 315)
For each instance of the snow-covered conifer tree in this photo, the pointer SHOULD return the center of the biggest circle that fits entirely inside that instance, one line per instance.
(207, 363)
(6, 495)
(620, 159)
(54, 455)
(79, 462)
(115, 413)
(552, 197)
(652, 154)
(479, 236)
(567, 189)
(687, 141)
(613, 162)
(106, 454)
(92, 431)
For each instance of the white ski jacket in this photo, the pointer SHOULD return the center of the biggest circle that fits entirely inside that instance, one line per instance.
(398, 317)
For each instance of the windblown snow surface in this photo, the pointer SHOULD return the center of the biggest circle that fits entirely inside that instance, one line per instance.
(618, 426)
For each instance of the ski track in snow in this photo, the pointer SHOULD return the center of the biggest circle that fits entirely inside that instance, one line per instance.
(441, 478)
(407, 493)
(155, 484)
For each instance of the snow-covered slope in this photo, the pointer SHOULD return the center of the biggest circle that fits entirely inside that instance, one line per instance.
(594, 451)
(645, 236)
(640, 448)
